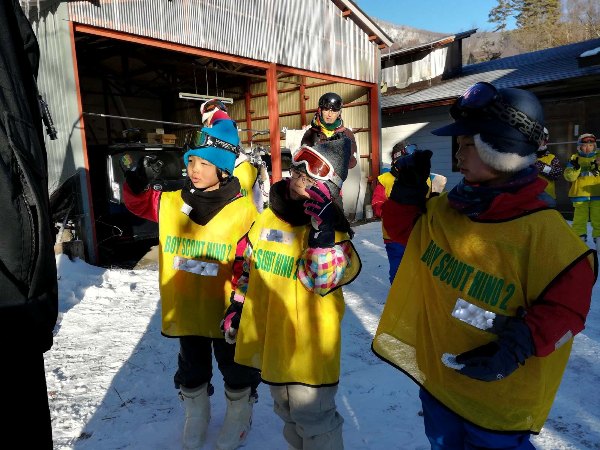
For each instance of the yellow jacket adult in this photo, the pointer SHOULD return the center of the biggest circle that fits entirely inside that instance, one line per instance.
(484, 264)
(196, 265)
(585, 183)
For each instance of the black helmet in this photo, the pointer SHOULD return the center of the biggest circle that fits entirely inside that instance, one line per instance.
(509, 120)
(331, 101)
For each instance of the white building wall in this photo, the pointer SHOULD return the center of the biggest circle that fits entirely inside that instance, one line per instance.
(415, 127)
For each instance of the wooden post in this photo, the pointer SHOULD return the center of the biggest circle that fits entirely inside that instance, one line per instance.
(274, 130)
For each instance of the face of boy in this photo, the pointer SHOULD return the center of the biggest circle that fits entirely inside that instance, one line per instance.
(202, 173)
(472, 166)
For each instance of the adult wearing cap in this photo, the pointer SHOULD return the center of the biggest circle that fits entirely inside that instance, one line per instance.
(199, 229)
(299, 255)
(584, 174)
(485, 304)
(327, 124)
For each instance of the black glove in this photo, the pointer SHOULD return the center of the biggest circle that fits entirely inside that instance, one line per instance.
(145, 172)
(231, 321)
(575, 162)
(410, 187)
(322, 214)
(498, 359)
(594, 168)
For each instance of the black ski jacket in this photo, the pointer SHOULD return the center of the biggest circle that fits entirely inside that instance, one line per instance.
(28, 284)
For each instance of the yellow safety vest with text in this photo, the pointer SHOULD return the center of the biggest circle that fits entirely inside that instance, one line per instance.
(494, 266)
(291, 334)
(195, 265)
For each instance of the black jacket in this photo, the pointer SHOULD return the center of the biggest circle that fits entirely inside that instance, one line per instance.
(28, 285)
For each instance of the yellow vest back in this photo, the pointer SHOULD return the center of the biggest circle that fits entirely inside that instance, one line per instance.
(195, 264)
(495, 266)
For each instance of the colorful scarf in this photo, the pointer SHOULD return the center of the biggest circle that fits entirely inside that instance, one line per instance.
(474, 199)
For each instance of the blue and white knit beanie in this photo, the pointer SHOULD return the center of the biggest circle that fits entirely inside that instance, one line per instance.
(220, 145)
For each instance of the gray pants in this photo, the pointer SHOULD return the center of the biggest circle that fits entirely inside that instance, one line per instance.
(311, 420)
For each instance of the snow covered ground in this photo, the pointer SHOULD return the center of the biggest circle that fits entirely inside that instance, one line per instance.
(110, 371)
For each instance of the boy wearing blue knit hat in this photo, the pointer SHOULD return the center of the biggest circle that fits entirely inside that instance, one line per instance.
(199, 229)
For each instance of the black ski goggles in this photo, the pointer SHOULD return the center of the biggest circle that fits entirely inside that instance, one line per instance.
(199, 138)
(483, 99)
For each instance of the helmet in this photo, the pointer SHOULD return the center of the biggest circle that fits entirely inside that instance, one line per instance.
(403, 148)
(586, 138)
(209, 108)
(508, 122)
(331, 101)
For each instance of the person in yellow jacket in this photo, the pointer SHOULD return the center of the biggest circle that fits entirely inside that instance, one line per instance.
(381, 193)
(199, 229)
(548, 165)
(485, 304)
(298, 256)
(584, 174)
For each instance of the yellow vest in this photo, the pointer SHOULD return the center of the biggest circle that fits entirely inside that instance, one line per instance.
(496, 266)
(247, 174)
(290, 333)
(550, 188)
(195, 265)
(387, 181)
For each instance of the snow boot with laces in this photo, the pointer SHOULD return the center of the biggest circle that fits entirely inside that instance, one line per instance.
(197, 416)
(238, 418)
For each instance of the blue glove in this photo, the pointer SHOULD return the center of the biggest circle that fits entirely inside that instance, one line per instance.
(322, 213)
(147, 170)
(498, 359)
(410, 187)
(231, 321)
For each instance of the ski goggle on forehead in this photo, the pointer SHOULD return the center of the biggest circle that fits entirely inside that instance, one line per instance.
(587, 140)
(198, 139)
(315, 164)
(483, 99)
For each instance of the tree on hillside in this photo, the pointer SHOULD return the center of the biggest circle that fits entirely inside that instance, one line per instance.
(536, 21)
(547, 23)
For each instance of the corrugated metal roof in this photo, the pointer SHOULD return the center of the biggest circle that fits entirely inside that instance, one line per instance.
(306, 34)
(525, 70)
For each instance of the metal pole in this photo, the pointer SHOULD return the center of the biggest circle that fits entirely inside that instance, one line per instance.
(110, 116)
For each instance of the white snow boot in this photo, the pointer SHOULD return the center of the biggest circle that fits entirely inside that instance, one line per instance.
(197, 416)
(238, 418)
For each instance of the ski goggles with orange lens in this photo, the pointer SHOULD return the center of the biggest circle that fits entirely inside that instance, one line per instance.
(316, 165)
(483, 100)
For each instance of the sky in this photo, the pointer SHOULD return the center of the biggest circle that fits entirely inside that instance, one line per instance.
(442, 16)
(110, 370)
